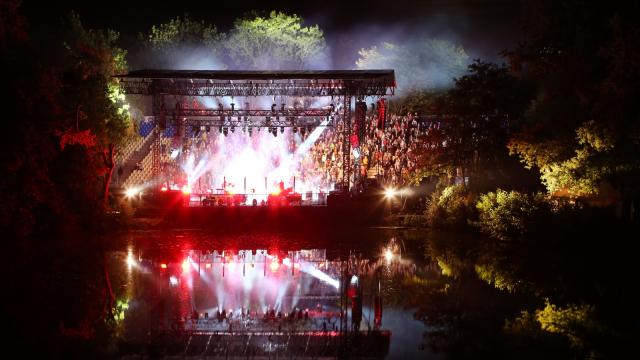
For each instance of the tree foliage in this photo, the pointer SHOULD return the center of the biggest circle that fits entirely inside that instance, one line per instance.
(182, 31)
(468, 137)
(452, 207)
(276, 41)
(581, 127)
(509, 215)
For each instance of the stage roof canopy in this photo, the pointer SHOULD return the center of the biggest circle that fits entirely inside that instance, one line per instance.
(259, 83)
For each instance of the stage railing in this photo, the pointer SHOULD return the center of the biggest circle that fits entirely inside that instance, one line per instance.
(258, 199)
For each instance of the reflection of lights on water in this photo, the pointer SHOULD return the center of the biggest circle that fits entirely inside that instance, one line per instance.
(173, 281)
(130, 260)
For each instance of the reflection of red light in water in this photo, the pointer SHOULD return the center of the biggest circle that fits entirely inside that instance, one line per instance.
(274, 265)
(185, 265)
(163, 266)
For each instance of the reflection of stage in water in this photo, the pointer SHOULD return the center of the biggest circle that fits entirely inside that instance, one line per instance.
(257, 303)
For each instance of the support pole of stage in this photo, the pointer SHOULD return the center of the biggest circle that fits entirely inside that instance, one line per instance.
(294, 184)
(266, 191)
(224, 184)
(245, 184)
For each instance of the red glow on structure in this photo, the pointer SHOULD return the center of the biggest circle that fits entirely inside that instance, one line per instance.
(186, 189)
(185, 265)
(163, 266)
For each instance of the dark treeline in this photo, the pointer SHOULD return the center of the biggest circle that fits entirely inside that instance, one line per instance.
(535, 218)
(534, 221)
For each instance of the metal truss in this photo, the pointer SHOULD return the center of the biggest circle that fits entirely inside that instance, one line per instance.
(311, 88)
(252, 118)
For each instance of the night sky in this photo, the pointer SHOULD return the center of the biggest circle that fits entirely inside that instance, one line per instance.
(483, 27)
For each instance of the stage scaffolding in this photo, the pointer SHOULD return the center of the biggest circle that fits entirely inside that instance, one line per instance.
(341, 85)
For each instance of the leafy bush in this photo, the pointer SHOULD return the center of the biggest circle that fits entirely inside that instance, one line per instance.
(414, 221)
(509, 215)
(451, 207)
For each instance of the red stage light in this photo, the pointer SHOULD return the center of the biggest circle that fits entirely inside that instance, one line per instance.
(185, 265)
(163, 266)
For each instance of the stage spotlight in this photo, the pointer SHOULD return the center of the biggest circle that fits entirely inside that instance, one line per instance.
(281, 129)
(185, 265)
(207, 128)
(282, 107)
(225, 131)
(233, 106)
(249, 131)
(390, 193)
(233, 129)
(295, 129)
(273, 108)
(220, 129)
(131, 192)
(388, 255)
(274, 265)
